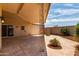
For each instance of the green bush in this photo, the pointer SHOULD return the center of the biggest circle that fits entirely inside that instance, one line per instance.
(65, 31)
(54, 42)
(77, 29)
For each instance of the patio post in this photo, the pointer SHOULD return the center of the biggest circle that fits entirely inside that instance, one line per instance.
(0, 28)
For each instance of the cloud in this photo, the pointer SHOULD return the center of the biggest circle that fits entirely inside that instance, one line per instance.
(66, 11)
(72, 5)
(68, 4)
(62, 12)
(61, 20)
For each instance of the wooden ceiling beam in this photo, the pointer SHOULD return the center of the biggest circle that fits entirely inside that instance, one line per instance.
(20, 7)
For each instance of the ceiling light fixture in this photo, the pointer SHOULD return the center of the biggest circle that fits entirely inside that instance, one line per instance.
(2, 19)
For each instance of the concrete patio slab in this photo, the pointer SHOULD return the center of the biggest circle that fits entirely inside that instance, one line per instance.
(24, 46)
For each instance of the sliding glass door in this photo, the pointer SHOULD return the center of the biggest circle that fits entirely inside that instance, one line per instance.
(4, 30)
(7, 30)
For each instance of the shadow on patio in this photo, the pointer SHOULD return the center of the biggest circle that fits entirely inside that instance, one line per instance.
(24, 46)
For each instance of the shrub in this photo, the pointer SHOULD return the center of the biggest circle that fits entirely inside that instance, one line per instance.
(48, 34)
(54, 42)
(65, 31)
(77, 47)
(76, 34)
(77, 29)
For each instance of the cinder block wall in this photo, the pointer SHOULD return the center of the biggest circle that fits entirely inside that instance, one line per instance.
(57, 30)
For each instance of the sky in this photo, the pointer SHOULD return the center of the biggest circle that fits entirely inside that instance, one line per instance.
(63, 14)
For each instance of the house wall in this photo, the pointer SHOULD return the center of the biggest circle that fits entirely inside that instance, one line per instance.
(17, 22)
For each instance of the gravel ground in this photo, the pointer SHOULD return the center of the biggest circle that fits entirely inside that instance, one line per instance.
(68, 48)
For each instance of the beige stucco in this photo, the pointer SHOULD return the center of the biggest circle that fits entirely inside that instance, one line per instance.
(17, 22)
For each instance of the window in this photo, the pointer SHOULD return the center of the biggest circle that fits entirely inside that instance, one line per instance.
(22, 27)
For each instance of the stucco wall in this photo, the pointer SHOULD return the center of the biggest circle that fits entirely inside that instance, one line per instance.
(17, 22)
(57, 30)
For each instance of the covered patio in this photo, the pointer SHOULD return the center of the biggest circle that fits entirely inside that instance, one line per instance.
(25, 36)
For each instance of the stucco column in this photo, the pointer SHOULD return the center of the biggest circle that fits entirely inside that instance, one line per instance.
(34, 29)
(37, 27)
(0, 28)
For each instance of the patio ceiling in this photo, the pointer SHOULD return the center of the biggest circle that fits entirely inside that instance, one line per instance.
(31, 12)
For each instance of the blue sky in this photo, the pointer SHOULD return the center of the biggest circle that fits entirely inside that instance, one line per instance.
(63, 14)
